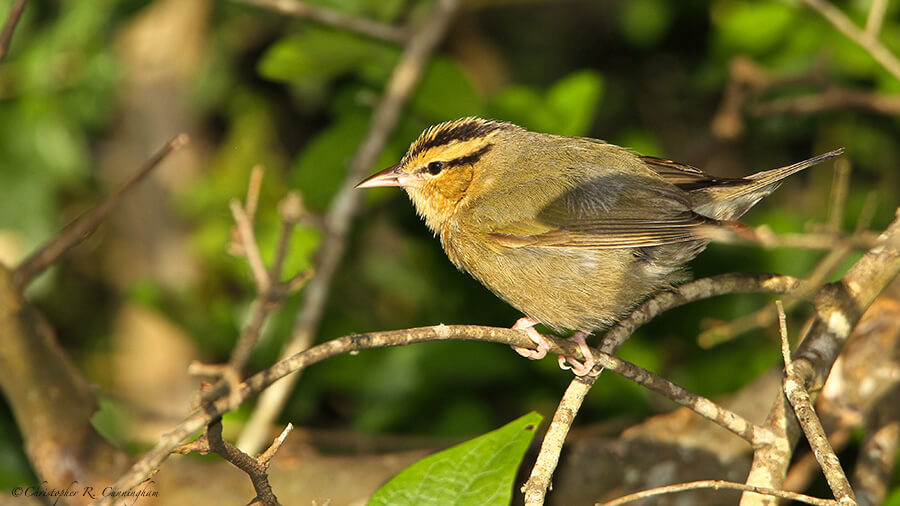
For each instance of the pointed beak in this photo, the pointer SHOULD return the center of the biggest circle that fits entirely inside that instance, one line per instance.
(391, 176)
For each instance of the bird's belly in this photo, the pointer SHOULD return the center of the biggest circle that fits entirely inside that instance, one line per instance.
(562, 287)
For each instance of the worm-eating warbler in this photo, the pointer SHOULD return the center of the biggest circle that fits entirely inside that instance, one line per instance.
(571, 231)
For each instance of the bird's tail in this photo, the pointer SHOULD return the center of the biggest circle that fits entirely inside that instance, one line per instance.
(768, 177)
(731, 200)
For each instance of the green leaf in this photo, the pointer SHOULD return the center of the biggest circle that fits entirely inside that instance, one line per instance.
(321, 166)
(567, 108)
(320, 54)
(753, 27)
(644, 22)
(574, 99)
(446, 93)
(480, 471)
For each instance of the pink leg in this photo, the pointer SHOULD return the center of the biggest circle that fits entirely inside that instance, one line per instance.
(580, 369)
(527, 324)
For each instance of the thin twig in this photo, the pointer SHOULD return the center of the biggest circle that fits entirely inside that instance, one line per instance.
(270, 293)
(766, 315)
(867, 212)
(225, 372)
(261, 308)
(875, 18)
(331, 17)
(800, 400)
(251, 204)
(844, 25)
(838, 200)
(267, 455)
(290, 209)
(15, 12)
(250, 247)
(85, 225)
(256, 470)
(764, 236)
(402, 84)
(830, 99)
(716, 485)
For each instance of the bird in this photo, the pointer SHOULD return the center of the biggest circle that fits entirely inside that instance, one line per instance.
(573, 232)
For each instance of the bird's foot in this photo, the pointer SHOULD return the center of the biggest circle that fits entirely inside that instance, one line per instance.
(527, 324)
(585, 368)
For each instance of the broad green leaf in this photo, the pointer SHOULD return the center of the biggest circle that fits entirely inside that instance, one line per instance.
(320, 54)
(480, 471)
(322, 164)
(574, 100)
(519, 104)
(753, 27)
(445, 93)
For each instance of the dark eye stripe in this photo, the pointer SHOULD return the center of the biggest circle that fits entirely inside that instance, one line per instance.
(470, 158)
(436, 166)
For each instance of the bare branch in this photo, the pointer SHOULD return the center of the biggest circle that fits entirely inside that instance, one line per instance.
(838, 200)
(250, 247)
(716, 485)
(267, 455)
(251, 204)
(832, 98)
(875, 18)
(870, 44)
(270, 290)
(839, 307)
(402, 83)
(535, 489)
(85, 225)
(809, 421)
(15, 12)
(256, 470)
(766, 316)
(364, 26)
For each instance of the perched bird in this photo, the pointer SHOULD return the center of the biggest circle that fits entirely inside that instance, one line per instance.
(572, 231)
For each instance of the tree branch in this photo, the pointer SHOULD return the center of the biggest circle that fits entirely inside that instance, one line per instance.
(85, 225)
(331, 17)
(718, 484)
(839, 307)
(15, 12)
(802, 403)
(865, 40)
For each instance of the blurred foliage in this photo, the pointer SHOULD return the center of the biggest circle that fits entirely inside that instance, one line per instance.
(297, 98)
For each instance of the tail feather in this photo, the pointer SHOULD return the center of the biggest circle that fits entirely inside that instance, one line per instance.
(730, 201)
(765, 178)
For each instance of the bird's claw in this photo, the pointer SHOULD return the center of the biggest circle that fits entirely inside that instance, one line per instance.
(585, 368)
(527, 324)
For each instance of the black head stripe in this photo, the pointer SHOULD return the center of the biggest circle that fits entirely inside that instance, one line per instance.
(454, 131)
(470, 158)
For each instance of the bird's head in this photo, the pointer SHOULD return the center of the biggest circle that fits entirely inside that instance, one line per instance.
(445, 164)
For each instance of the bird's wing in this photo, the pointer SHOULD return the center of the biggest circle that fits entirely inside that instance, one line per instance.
(614, 211)
(687, 177)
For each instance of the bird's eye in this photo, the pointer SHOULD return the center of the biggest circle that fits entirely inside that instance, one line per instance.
(435, 167)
